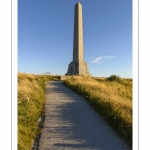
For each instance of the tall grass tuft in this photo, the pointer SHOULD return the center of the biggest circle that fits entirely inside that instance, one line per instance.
(111, 98)
(31, 101)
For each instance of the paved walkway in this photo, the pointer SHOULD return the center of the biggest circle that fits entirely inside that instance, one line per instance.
(71, 123)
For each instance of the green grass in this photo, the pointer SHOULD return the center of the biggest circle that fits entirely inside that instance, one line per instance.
(112, 99)
(31, 101)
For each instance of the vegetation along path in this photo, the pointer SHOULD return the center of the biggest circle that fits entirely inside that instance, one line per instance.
(72, 124)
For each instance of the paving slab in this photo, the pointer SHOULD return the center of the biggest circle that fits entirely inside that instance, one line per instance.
(72, 124)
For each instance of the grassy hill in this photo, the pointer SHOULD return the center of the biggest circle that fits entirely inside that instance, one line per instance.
(31, 101)
(111, 98)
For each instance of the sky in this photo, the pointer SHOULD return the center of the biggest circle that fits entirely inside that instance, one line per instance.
(45, 36)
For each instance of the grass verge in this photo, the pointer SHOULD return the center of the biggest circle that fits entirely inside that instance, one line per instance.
(111, 99)
(31, 101)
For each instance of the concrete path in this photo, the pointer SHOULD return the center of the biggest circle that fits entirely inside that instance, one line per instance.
(72, 124)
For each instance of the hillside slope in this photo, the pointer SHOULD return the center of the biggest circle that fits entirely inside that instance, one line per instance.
(111, 99)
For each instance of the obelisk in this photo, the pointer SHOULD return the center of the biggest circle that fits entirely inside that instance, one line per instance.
(78, 66)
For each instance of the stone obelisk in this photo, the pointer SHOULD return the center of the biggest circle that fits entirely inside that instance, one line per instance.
(78, 66)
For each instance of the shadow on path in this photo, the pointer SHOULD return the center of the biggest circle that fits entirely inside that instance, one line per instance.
(72, 124)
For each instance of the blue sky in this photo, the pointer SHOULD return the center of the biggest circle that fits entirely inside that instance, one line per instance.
(45, 36)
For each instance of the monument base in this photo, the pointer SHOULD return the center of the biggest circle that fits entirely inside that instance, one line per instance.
(78, 69)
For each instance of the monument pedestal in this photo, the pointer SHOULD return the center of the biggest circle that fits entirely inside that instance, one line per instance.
(78, 69)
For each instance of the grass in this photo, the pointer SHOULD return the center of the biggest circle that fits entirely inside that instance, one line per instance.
(112, 99)
(31, 101)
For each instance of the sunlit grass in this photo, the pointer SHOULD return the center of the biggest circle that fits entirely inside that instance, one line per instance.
(111, 99)
(31, 101)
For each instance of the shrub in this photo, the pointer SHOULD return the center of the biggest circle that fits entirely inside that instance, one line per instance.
(113, 78)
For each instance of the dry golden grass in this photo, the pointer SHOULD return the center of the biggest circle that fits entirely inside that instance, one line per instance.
(27, 86)
(31, 101)
(113, 100)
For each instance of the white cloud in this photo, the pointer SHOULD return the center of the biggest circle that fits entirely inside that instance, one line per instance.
(98, 59)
